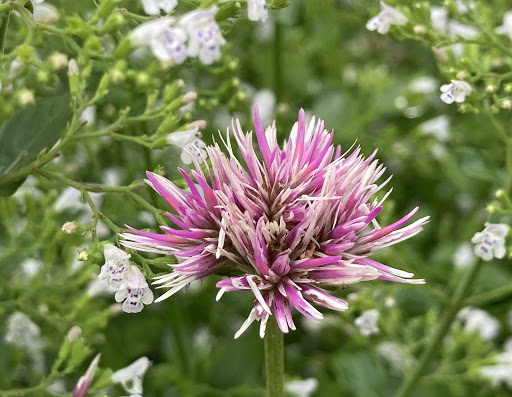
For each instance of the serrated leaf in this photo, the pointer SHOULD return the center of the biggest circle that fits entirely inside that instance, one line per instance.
(32, 129)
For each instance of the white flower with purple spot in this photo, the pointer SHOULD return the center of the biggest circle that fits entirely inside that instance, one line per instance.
(190, 143)
(205, 37)
(116, 267)
(257, 10)
(135, 292)
(456, 91)
(490, 242)
(167, 42)
(153, 7)
(385, 18)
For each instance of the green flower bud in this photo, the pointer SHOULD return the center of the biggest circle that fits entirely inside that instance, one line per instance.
(106, 8)
(26, 53)
(508, 88)
(142, 80)
(114, 22)
(93, 45)
(43, 76)
(25, 97)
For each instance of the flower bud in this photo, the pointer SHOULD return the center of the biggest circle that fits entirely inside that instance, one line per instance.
(26, 53)
(490, 89)
(500, 193)
(199, 124)
(69, 227)
(43, 76)
(461, 75)
(142, 80)
(491, 208)
(73, 77)
(25, 97)
(93, 45)
(506, 104)
(189, 97)
(83, 256)
(420, 30)
(508, 88)
(58, 61)
(74, 333)
(235, 82)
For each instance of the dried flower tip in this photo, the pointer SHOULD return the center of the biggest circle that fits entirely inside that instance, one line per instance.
(73, 67)
(199, 124)
(189, 97)
(461, 75)
(74, 333)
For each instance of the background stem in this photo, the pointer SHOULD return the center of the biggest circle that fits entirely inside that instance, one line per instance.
(274, 359)
(440, 331)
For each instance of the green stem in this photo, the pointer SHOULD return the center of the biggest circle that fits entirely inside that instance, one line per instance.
(274, 359)
(440, 331)
(494, 295)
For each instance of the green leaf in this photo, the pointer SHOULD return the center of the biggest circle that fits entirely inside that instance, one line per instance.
(32, 129)
(10, 188)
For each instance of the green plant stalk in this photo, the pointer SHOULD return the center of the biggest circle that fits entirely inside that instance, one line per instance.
(489, 297)
(440, 332)
(274, 359)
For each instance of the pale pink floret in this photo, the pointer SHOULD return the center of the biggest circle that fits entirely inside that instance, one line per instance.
(297, 220)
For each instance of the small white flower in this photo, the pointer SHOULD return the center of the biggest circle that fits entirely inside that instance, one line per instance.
(153, 7)
(190, 144)
(167, 42)
(506, 28)
(266, 102)
(480, 322)
(205, 37)
(439, 127)
(23, 332)
(395, 355)
(99, 287)
(116, 267)
(88, 115)
(423, 85)
(464, 256)
(257, 10)
(135, 292)
(457, 29)
(367, 322)
(301, 388)
(46, 13)
(131, 376)
(490, 242)
(30, 267)
(501, 372)
(439, 18)
(385, 18)
(456, 91)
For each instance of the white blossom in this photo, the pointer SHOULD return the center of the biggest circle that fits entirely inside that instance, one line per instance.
(44, 12)
(395, 355)
(367, 322)
(439, 127)
(131, 376)
(135, 292)
(423, 85)
(30, 267)
(257, 10)
(205, 37)
(439, 18)
(153, 7)
(385, 18)
(456, 91)
(116, 267)
(190, 143)
(464, 256)
(88, 115)
(457, 29)
(301, 388)
(480, 322)
(490, 242)
(167, 42)
(506, 28)
(266, 101)
(501, 372)
(23, 332)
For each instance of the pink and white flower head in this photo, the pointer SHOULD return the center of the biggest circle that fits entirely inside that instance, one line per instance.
(385, 18)
(205, 37)
(456, 91)
(490, 242)
(295, 220)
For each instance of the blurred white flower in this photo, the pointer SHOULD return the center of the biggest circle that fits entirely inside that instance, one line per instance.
(23, 332)
(367, 322)
(190, 144)
(257, 10)
(464, 256)
(480, 322)
(301, 388)
(82, 386)
(30, 267)
(501, 372)
(116, 267)
(70, 200)
(112, 176)
(135, 292)
(457, 29)
(385, 18)
(506, 28)
(439, 127)
(167, 42)
(205, 38)
(395, 355)
(456, 91)
(44, 12)
(423, 85)
(131, 376)
(266, 102)
(88, 115)
(99, 287)
(490, 242)
(439, 18)
(153, 7)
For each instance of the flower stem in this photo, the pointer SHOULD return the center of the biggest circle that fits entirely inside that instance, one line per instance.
(274, 359)
(440, 332)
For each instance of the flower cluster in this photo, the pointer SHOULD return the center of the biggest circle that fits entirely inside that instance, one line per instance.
(195, 34)
(299, 219)
(126, 279)
(490, 242)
